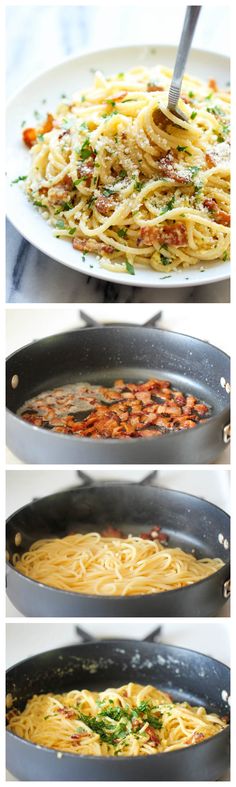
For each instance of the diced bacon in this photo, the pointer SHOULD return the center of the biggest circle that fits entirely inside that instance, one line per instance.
(152, 87)
(107, 249)
(186, 99)
(69, 713)
(152, 734)
(195, 738)
(29, 137)
(85, 170)
(47, 125)
(212, 84)
(218, 154)
(169, 234)
(78, 735)
(220, 216)
(59, 193)
(86, 244)
(168, 167)
(105, 205)
(118, 96)
(110, 532)
(30, 134)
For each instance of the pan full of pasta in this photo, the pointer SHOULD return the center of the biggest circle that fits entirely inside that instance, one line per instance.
(118, 709)
(118, 549)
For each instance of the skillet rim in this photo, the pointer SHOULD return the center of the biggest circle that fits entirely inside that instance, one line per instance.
(92, 596)
(111, 441)
(225, 731)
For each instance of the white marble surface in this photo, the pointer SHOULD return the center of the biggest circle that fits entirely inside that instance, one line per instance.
(38, 36)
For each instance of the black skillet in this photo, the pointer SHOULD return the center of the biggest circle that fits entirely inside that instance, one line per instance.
(100, 355)
(188, 521)
(96, 665)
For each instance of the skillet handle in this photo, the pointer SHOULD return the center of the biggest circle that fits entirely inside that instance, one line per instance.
(154, 635)
(84, 635)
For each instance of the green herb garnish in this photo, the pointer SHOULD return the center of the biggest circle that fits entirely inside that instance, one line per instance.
(122, 233)
(129, 268)
(17, 180)
(193, 115)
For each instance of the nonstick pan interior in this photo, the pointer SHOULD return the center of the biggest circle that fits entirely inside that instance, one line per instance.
(187, 675)
(99, 355)
(188, 521)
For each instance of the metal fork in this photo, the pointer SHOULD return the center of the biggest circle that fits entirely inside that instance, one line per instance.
(190, 21)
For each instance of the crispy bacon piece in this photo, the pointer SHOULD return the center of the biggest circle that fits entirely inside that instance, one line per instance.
(30, 134)
(128, 410)
(76, 737)
(220, 216)
(212, 84)
(59, 193)
(152, 87)
(196, 737)
(90, 244)
(29, 137)
(85, 170)
(118, 96)
(218, 154)
(110, 532)
(69, 713)
(169, 234)
(168, 167)
(105, 205)
(152, 734)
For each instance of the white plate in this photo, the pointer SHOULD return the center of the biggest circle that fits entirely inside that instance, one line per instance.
(67, 77)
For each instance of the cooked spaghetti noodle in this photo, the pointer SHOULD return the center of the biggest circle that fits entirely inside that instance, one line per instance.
(129, 721)
(100, 565)
(114, 174)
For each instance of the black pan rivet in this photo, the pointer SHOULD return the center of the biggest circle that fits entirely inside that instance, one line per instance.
(18, 539)
(14, 381)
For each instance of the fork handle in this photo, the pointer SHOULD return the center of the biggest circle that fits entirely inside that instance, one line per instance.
(190, 21)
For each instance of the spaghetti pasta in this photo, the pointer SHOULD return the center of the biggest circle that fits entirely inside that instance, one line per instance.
(129, 721)
(116, 174)
(100, 565)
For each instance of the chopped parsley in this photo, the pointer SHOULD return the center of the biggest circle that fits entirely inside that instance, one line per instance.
(85, 151)
(111, 102)
(23, 123)
(120, 75)
(183, 148)
(225, 256)
(83, 98)
(17, 180)
(72, 230)
(79, 180)
(37, 114)
(193, 115)
(194, 171)
(138, 186)
(122, 233)
(169, 205)
(215, 110)
(164, 260)
(129, 268)
(63, 95)
(191, 94)
(39, 204)
(208, 98)
(107, 191)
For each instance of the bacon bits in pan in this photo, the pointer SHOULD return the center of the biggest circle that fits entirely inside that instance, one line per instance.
(126, 410)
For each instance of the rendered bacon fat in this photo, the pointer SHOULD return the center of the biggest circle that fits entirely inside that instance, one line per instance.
(128, 410)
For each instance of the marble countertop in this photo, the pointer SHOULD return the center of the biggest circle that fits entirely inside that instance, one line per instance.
(67, 30)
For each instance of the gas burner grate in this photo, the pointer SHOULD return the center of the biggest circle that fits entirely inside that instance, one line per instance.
(87, 479)
(90, 322)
